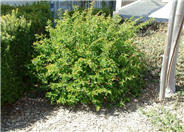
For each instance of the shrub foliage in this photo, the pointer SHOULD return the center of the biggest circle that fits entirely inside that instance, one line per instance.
(15, 46)
(105, 10)
(89, 59)
(38, 13)
(17, 31)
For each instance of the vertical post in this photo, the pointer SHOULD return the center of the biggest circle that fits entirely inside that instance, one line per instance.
(118, 4)
(167, 50)
(170, 87)
(176, 21)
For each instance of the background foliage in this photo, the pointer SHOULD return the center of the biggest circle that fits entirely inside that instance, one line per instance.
(15, 46)
(89, 59)
(17, 31)
(37, 13)
(105, 10)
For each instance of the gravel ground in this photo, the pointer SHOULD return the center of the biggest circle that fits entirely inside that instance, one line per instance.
(36, 114)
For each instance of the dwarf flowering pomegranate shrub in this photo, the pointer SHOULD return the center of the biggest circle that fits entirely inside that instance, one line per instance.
(89, 59)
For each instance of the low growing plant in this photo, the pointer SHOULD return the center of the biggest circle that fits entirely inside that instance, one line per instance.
(164, 120)
(152, 45)
(89, 59)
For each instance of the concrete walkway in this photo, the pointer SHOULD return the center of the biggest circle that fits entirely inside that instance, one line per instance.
(146, 9)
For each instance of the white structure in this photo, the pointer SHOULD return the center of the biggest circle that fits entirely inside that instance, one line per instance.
(118, 4)
(162, 12)
(158, 9)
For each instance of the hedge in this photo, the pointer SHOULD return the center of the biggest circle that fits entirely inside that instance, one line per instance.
(38, 13)
(18, 28)
(15, 46)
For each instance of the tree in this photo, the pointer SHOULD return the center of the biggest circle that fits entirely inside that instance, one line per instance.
(168, 72)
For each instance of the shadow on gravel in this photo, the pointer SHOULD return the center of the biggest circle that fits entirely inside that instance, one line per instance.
(27, 111)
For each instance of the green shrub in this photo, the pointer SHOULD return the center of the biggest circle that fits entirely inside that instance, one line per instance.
(15, 46)
(95, 11)
(6, 9)
(105, 10)
(89, 59)
(38, 13)
(17, 38)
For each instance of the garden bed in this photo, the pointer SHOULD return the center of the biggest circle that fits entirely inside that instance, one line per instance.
(36, 114)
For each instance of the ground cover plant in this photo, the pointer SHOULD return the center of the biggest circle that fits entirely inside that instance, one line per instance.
(89, 59)
(168, 115)
(151, 43)
(165, 120)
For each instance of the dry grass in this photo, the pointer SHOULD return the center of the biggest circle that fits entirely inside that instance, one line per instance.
(169, 114)
(151, 43)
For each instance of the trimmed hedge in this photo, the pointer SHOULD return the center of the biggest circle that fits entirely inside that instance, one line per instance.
(18, 29)
(89, 59)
